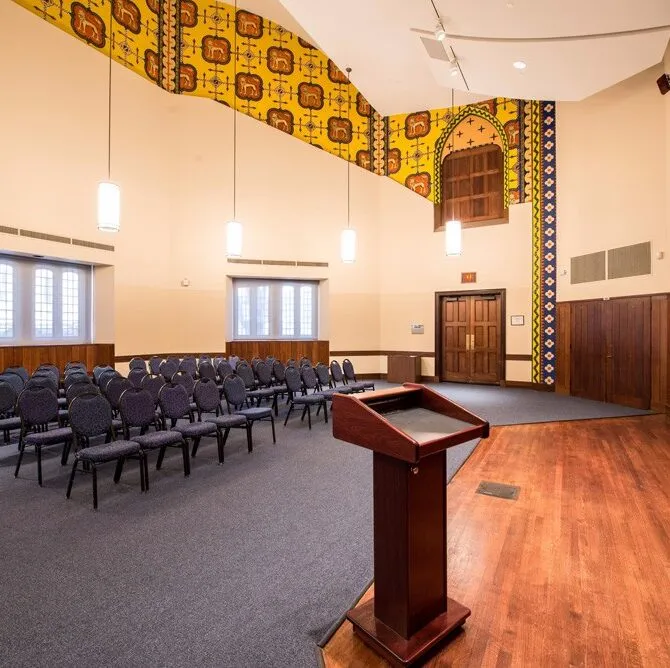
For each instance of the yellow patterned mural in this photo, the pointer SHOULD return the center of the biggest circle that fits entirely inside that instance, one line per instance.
(203, 48)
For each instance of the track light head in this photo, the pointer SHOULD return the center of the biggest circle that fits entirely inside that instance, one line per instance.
(440, 33)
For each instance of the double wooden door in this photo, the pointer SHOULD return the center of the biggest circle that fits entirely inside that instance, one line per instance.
(610, 350)
(471, 338)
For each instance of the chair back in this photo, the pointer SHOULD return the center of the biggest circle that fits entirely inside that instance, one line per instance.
(323, 375)
(90, 415)
(279, 371)
(305, 361)
(169, 368)
(206, 395)
(49, 368)
(224, 369)
(152, 384)
(234, 391)
(37, 406)
(348, 369)
(245, 372)
(336, 371)
(98, 370)
(8, 397)
(308, 377)
(75, 377)
(72, 366)
(173, 400)
(290, 362)
(19, 371)
(137, 408)
(185, 379)
(137, 363)
(105, 377)
(293, 380)
(204, 358)
(155, 364)
(47, 381)
(264, 373)
(77, 389)
(233, 360)
(206, 370)
(190, 366)
(136, 375)
(14, 380)
(115, 388)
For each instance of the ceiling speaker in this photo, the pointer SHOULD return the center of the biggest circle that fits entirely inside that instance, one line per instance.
(663, 83)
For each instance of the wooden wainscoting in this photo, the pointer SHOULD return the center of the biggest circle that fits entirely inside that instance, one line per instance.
(30, 357)
(316, 351)
(614, 350)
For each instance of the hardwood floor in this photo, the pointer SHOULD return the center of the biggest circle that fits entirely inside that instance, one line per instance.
(576, 572)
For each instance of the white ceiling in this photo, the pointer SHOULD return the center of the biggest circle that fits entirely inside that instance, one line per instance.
(562, 43)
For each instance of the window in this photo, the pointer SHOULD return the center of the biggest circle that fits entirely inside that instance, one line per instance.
(43, 301)
(473, 182)
(275, 309)
(6, 301)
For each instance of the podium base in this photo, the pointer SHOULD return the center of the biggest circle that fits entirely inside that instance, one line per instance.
(399, 651)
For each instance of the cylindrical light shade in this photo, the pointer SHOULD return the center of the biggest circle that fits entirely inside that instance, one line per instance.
(348, 245)
(109, 207)
(452, 237)
(234, 239)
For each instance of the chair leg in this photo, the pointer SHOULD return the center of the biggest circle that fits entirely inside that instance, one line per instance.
(325, 411)
(146, 472)
(309, 416)
(304, 412)
(219, 444)
(250, 443)
(187, 460)
(274, 405)
(38, 452)
(18, 462)
(159, 461)
(71, 480)
(196, 443)
(66, 452)
(141, 458)
(290, 410)
(94, 471)
(272, 422)
(119, 469)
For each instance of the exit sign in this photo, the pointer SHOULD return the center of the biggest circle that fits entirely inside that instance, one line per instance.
(469, 277)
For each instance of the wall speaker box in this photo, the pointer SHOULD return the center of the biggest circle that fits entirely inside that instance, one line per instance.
(663, 83)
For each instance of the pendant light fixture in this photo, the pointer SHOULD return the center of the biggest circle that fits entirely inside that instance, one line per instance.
(453, 241)
(348, 236)
(234, 227)
(109, 193)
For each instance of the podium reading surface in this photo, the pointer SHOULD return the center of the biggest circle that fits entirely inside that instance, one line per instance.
(409, 430)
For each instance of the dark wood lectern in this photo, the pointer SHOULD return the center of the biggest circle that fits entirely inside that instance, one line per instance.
(409, 430)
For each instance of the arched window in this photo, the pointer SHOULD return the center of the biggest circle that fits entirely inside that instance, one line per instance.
(473, 187)
(6, 301)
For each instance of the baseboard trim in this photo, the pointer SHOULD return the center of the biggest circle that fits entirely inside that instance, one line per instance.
(540, 387)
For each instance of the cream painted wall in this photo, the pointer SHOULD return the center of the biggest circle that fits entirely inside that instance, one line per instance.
(172, 156)
(414, 267)
(613, 157)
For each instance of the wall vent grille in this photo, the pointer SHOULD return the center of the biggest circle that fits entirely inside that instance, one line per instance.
(587, 268)
(627, 261)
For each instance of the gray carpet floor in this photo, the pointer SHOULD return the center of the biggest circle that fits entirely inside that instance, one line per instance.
(244, 565)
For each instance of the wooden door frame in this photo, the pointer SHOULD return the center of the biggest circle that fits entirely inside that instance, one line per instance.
(438, 327)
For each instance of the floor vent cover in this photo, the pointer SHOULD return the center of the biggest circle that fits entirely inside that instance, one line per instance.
(499, 489)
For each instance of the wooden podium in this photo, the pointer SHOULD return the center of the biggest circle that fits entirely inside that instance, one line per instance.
(409, 429)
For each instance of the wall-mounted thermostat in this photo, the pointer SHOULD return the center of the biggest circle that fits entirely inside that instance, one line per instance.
(416, 329)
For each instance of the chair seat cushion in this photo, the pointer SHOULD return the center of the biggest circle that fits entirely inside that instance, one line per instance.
(262, 392)
(49, 437)
(343, 389)
(311, 399)
(358, 386)
(225, 421)
(255, 413)
(106, 452)
(195, 429)
(10, 423)
(62, 401)
(329, 393)
(158, 439)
